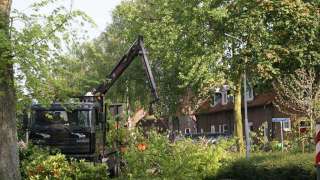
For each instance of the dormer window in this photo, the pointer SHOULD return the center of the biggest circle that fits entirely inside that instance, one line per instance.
(230, 98)
(220, 95)
(217, 98)
(224, 99)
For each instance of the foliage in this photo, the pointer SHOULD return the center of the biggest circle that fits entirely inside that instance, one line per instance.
(180, 45)
(241, 32)
(295, 141)
(258, 140)
(185, 159)
(299, 93)
(266, 38)
(300, 141)
(270, 166)
(86, 170)
(37, 163)
(38, 38)
(118, 131)
(294, 28)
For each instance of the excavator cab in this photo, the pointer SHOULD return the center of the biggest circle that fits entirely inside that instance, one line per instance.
(77, 130)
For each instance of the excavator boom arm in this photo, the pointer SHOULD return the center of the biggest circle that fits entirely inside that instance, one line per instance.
(137, 49)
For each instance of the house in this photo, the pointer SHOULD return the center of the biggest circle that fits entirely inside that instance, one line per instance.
(218, 116)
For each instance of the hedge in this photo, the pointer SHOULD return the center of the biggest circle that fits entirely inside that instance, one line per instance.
(270, 166)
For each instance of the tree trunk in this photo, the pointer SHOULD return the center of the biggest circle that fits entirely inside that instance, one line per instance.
(9, 161)
(238, 127)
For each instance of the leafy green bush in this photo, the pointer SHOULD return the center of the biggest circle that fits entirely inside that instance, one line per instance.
(37, 163)
(270, 166)
(294, 142)
(87, 170)
(154, 157)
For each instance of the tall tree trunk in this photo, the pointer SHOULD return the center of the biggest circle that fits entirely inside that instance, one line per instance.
(9, 161)
(238, 127)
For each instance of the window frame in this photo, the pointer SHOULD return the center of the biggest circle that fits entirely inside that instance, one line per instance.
(214, 129)
(224, 129)
(288, 128)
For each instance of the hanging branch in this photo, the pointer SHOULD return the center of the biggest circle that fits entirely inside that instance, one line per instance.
(298, 94)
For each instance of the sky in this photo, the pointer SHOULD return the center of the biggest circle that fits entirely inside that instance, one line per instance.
(99, 10)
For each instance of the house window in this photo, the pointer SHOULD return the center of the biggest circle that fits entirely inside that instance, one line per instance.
(230, 98)
(187, 131)
(249, 93)
(286, 125)
(225, 128)
(213, 130)
(224, 99)
(217, 98)
(265, 130)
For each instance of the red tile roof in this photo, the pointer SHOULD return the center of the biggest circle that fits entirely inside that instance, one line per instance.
(259, 100)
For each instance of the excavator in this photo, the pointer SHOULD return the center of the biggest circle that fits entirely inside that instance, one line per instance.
(79, 129)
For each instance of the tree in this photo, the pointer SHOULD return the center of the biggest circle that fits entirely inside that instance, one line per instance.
(181, 48)
(39, 45)
(265, 39)
(295, 44)
(33, 51)
(9, 165)
(243, 29)
(299, 93)
(190, 52)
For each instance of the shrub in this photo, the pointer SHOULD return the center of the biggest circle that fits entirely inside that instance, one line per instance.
(87, 170)
(37, 163)
(270, 166)
(185, 159)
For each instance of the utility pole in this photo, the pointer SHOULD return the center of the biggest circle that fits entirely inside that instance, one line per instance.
(246, 123)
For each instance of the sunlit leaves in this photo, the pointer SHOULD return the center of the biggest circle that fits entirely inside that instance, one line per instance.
(180, 43)
(39, 39)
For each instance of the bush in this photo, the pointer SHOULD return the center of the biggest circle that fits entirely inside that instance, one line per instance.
(37, 163)
(87, 170)
(154, 157)
(270, 166)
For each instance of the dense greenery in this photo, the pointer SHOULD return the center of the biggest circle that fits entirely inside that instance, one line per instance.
(39, 39)
(152, 156)
(147, 156)
(194, 46)
(184, 159)
(295, 142)
(269, 166)
(40, 164)
(183, 59)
